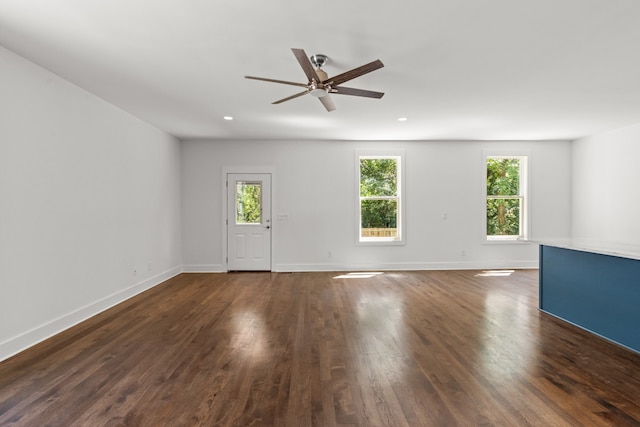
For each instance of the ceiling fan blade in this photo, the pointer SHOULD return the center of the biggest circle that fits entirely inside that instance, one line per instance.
(284, 82)
(341, 90)
(306, 65)
(327, 102)
(290, 97)
(356, 72)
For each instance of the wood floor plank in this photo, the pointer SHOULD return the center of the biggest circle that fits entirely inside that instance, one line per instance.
(416, 348)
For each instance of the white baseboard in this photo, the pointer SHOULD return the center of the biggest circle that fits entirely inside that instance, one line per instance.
(439, 265)
(30, 338)
(204, 268)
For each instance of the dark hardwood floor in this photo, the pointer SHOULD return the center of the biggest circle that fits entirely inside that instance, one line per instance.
(429, 348)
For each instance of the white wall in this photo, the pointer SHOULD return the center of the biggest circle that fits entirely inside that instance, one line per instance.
(315, 185)
(606, 199)
(88, 193)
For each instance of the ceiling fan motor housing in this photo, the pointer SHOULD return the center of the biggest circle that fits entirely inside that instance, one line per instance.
(318, 90)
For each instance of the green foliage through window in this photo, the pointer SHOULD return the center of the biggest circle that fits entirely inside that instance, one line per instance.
(248, 203)
(503, 217)
(504, 200)
(379, 213)
(379, 197)
(378, 177)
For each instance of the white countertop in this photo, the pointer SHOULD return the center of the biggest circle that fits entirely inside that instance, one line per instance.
(618, 249)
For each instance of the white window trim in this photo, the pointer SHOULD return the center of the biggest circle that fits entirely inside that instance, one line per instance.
(402, 228)
(524, 156)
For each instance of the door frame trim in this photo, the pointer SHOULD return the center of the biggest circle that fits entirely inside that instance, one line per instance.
(226, 170)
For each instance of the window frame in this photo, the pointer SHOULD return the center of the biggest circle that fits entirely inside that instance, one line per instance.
(523, 196)
(399, 156)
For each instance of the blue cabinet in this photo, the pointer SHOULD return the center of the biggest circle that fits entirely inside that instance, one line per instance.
(597, 292)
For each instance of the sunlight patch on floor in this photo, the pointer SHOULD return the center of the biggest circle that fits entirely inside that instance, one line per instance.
(495, 273)
(359, 275)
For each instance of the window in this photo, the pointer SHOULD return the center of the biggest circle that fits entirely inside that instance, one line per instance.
(248, 202)
(505, 206)
(379, 199)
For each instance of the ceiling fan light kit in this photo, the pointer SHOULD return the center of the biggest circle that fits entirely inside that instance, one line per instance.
(319, 92)
(319, 84)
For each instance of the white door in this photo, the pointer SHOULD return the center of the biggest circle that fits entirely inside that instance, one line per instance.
(249, 222)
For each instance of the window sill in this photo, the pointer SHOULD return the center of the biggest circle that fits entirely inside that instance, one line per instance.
(380, 243)
(505, 241)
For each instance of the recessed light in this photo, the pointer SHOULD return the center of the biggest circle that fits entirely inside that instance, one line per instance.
(228, 118)
(402, 119)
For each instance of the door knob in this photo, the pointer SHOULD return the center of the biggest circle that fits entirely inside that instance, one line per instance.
(268, 227)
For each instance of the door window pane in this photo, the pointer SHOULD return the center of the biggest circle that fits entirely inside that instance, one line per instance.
(248, 202)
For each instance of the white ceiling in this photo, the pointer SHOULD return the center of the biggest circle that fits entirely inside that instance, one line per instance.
(457, 69)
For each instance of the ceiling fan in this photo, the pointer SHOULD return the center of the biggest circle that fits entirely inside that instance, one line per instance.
(320, 85)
